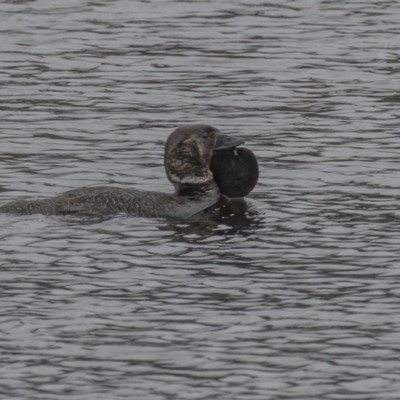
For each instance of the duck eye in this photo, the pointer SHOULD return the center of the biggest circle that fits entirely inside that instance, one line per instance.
(206, 135)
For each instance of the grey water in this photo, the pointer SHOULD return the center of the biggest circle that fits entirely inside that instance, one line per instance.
(300, 299)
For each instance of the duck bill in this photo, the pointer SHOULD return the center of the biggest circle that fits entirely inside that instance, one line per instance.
(227, 142)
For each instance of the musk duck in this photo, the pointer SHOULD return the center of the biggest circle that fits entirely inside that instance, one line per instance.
(203, 164)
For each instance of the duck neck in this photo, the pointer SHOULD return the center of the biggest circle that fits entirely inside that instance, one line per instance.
(196, 189)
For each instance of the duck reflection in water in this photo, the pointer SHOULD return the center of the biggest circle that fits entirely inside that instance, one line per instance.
(206, 167)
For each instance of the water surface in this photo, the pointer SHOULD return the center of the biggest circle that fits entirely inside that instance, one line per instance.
(301, 300)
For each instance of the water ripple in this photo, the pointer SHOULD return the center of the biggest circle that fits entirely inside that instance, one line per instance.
(298, 300)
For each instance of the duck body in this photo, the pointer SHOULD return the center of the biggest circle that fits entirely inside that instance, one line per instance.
(188, 154)
(107, 200)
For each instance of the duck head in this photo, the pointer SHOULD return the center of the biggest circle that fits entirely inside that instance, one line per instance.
(200, 159)
(187, 159)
